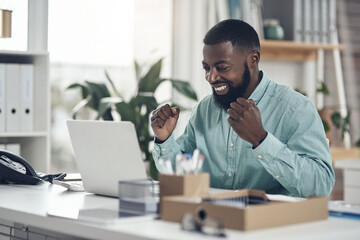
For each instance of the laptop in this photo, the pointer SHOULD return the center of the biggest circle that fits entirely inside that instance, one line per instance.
(106, 152)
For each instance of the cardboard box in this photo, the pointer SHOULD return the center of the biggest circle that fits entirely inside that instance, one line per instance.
(185, 185)
(271, 214)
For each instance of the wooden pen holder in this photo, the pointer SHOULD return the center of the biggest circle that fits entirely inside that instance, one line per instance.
(184, 185)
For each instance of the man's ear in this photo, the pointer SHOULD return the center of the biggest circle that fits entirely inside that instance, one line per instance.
(253, 59)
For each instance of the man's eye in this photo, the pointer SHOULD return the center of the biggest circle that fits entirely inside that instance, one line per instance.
(221, 69)
(206, 68)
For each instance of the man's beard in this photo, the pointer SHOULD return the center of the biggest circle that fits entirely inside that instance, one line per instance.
(224, 101)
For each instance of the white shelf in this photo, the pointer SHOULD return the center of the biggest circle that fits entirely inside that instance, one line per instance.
(34, 145)
(25, 53)
(23, 134)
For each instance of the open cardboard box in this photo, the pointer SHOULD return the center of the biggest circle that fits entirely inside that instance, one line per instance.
(264, 215)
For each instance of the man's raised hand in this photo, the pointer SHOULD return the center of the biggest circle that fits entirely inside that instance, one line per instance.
(163, 121)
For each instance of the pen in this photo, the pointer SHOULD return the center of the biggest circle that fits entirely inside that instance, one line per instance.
(200, 163)
(168, 166)
(195, 160)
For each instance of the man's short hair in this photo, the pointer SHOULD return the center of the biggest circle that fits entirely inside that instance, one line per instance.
(239, 33)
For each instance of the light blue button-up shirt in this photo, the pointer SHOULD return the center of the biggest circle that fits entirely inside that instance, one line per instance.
(294, 159)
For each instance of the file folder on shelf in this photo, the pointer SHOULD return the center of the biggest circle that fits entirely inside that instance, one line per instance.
(308, 32)
(298, 21)
(316, 20)
(26, 104)
(12, 97)
(2, 97)
(324, 23)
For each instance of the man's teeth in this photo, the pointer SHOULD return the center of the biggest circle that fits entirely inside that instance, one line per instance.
(220, 88)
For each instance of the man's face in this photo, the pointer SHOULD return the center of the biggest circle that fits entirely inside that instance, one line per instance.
(227, 71)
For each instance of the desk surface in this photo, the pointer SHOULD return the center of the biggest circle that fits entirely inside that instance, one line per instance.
(30, 204)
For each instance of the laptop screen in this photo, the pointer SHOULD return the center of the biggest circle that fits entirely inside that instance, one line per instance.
(106, 152)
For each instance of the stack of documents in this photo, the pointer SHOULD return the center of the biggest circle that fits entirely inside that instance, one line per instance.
(140, 196)
(344, 209)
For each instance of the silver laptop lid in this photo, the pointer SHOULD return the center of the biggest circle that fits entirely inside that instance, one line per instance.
(106, 152)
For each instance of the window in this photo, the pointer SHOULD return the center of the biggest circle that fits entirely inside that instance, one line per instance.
(88, 36)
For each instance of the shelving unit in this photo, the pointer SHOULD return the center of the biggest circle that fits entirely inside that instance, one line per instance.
(293, 51)
(303, 52)
(35, 145)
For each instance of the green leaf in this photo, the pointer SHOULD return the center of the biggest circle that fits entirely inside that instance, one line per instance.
(137, 71)
(151, 80)
(126, 111)
(341, 123)
(326, 126)
(299, 91)
(112, 84)
(79, 106)
(336, 119)
(97, 92)
(84, 89)
(149, 101)
(323, 89)
(106, 104)
(184, 88)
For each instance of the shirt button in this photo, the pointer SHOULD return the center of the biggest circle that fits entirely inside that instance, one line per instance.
(259, 156)
(277, 176)
(163, 149)
(231, 145)
(229, 174)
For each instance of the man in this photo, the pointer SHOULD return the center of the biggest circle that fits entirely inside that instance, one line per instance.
(254, 133)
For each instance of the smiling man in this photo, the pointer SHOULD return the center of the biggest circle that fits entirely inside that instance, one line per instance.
(254, 133)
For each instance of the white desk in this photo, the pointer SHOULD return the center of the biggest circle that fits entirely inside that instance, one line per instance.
(29, 205)
(351, 169)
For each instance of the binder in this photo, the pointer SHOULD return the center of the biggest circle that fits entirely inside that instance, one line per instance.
(2, 97)
(257, 19)
(316, 20)
(298, 23)
(324, 26)
(12, 97)
(26, 102)
(307, 21)
(332, 22)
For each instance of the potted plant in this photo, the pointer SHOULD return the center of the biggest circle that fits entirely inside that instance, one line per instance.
(325, 113)
(106, 100)
(331, 118)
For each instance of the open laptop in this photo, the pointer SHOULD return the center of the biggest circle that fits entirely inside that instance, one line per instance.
(106, 152)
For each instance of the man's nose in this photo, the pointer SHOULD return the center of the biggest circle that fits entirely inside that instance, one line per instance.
(212, 76)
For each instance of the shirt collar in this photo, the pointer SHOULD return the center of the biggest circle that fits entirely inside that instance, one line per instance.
(259, 91)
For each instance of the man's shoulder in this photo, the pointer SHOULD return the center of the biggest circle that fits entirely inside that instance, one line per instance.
(287, 94)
